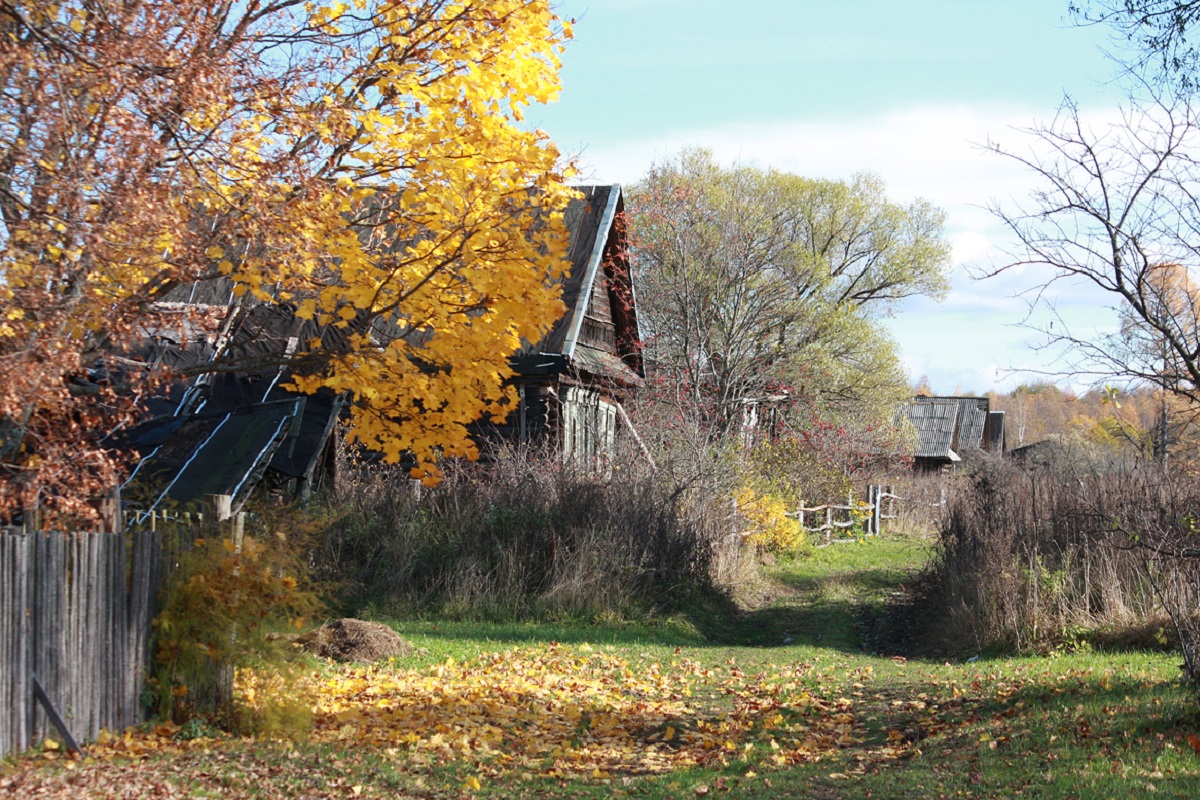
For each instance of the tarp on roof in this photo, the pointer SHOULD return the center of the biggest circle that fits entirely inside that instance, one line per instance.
(221, 453)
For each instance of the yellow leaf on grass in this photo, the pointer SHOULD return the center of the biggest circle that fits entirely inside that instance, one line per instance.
(472, 784)
(669, 733)
(50, 744)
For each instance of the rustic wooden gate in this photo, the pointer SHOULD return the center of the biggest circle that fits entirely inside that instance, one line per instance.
(868, 517)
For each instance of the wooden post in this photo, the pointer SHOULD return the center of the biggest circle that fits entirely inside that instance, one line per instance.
(29, 519)
(239, 530)
(877, 510)
(109, 509)
(222, 510)
(221, 505)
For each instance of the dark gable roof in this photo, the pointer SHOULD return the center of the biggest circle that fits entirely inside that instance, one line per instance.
(948, 426)
(596, 242)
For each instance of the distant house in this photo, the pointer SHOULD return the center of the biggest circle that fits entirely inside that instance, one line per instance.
(950, 428)
(224, 432)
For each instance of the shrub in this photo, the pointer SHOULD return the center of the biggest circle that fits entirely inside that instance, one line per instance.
(222, 608)
(768, 523)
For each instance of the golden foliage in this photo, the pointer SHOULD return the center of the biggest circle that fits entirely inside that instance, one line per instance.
(769, 523)
(223, 608)
(365, 163)
(553, 711)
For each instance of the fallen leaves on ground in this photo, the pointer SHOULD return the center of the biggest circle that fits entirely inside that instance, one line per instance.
(571, 715)
(556, 712)
(562, 712)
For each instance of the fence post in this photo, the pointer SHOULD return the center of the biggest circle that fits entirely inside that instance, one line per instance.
(109, 509)
(877, 512)
(221, 505)
(222, 510)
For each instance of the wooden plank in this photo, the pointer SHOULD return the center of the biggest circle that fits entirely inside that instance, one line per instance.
(23, 695)
(101, 632)
(105, 715)
(76, 622)
(90, 621)
(138, 605)
(55, 718)
(137, 567)
(60, 675)
(6, 667)
(120, 644)
(13, 623)
(37, 611)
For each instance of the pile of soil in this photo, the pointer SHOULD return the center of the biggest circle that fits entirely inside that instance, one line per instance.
(355, 640)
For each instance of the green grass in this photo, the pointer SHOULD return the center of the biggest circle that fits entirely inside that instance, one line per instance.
(1076, 725)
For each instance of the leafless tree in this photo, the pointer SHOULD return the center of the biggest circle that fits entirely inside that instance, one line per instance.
(1117, 208)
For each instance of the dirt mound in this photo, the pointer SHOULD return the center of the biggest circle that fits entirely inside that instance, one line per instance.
(355, 640)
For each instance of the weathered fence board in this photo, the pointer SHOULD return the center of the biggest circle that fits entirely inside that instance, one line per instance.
(75, 608)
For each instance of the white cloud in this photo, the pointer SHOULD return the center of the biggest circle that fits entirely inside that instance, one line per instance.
(975, 339)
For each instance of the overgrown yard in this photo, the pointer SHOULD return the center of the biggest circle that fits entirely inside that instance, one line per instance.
(789, 699)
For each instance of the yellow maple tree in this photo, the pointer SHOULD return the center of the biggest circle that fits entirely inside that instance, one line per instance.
(364, 163)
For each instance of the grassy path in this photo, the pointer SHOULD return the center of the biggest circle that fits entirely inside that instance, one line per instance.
(784, 700)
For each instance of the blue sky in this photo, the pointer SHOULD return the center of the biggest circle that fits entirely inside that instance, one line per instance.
(826, 89)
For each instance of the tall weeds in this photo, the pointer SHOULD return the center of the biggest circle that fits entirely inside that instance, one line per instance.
(1030, 559)
(523, 536)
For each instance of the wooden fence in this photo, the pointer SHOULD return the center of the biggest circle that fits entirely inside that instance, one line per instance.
(867, 517)
(76, 612)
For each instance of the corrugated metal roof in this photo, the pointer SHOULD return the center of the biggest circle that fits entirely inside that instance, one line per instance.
(972, 418)
(948, 426)
(935, 424)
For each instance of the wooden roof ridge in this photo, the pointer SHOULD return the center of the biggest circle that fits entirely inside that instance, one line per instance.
(596, 245)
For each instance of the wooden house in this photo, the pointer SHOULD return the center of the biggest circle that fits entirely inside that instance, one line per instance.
(224, 432)
(573, 384)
